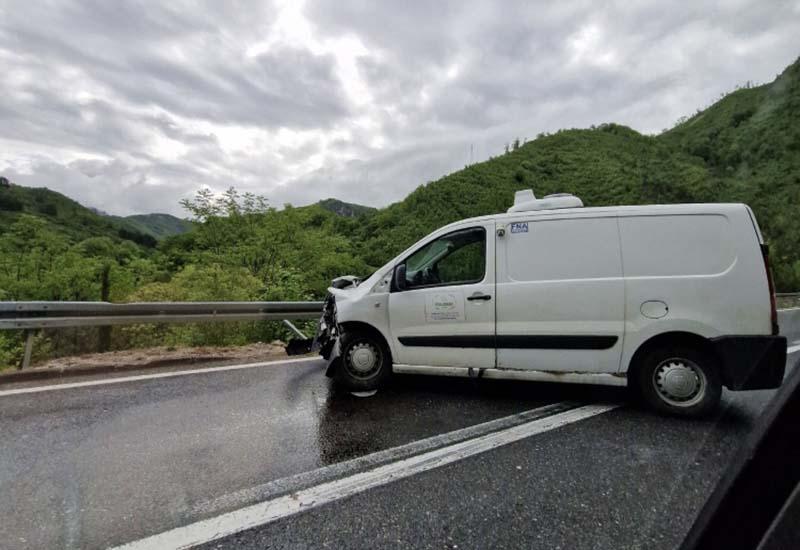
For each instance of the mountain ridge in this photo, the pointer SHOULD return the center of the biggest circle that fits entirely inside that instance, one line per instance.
(79, 221)
(63, 215)
(157, 224)
(743, 148)
(346, 209)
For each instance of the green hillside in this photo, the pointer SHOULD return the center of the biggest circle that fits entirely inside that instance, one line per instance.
(611, 164)
(64, 216)
(750, 144)
(745, 147)
(346, 209)
(158, 226)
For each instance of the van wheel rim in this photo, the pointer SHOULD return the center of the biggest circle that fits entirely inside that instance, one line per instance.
(363, 360)
(679, 382)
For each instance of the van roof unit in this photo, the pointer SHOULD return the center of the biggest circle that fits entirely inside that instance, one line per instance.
(526, 201)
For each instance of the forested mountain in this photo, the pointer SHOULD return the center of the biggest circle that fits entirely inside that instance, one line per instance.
(749, 142)
(745, 147)
(76, 221)
(65, 216)
(346, 209)
(156, 225)
(610, 164)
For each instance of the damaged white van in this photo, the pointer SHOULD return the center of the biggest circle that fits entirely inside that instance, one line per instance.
(674, 301)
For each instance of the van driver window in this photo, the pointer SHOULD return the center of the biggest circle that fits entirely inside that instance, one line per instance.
(455, 258)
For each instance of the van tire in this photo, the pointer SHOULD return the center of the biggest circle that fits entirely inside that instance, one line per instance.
(680, 380)
(364, 361)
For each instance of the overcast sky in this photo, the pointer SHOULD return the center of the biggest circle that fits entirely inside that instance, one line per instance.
(130, 106)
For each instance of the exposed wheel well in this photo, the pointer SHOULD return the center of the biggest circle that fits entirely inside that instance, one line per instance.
(667, 338)
(357, 326)
(365, 327)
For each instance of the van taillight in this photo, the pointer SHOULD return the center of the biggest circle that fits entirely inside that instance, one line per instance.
(773, 306)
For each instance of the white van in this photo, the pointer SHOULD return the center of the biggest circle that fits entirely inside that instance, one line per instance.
(674, 301)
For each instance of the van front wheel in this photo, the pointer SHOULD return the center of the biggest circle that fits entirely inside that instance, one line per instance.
(364, 364)
(680, 380)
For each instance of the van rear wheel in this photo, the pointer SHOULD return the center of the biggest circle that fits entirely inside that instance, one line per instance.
(680, 380)
(365, 363)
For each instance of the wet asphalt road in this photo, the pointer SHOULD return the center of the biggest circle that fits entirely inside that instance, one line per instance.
(93, 467)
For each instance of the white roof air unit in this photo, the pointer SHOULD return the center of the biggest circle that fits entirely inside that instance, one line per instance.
(525, 201)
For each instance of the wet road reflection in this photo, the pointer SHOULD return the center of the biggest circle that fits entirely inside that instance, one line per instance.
(415, 407)
(170, 450)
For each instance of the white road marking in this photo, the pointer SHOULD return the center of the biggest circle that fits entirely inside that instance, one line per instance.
(271, 510)
(271, 489)
(122, 379)
(793, 349)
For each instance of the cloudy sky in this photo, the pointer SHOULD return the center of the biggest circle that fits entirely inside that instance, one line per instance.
(130, 106)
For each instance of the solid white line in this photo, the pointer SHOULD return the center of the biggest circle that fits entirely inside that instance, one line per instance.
(121, 379)
(271, 510)
(271, 489)
(793, 349)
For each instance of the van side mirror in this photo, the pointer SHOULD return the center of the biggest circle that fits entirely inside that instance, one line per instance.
(400, 277)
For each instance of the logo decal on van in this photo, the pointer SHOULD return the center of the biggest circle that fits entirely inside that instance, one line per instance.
(445, 307)
(519, 227)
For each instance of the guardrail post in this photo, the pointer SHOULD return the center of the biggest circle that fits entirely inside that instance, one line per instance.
(26, 358)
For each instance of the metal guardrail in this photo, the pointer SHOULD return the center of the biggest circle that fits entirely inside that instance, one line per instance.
(33, 316)
(39, 315)
(788, 299)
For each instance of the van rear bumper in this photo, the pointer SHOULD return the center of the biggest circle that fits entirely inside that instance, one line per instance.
(751, 362)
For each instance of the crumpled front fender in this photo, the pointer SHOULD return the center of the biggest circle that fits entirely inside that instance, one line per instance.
(327, 334)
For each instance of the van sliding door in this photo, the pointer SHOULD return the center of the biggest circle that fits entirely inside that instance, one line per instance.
(560, 295)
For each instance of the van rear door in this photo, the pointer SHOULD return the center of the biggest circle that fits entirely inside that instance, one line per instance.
(560, 295)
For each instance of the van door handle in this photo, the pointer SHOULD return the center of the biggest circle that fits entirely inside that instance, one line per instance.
(479, 296)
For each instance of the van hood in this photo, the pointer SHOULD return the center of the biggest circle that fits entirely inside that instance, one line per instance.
(345, 281)
(344, 293)
(349, 287)
(346, 287)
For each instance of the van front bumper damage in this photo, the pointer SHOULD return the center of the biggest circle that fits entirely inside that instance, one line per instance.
(327, 334)
(751, 362)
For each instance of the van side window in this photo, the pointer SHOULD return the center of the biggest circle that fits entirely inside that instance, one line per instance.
(453, 259)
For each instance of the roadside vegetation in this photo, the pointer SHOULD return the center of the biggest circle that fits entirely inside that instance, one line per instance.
(744, 148)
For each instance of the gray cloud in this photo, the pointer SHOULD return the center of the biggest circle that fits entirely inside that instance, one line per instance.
(194, 77)
(93, 183)
(129, 107)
